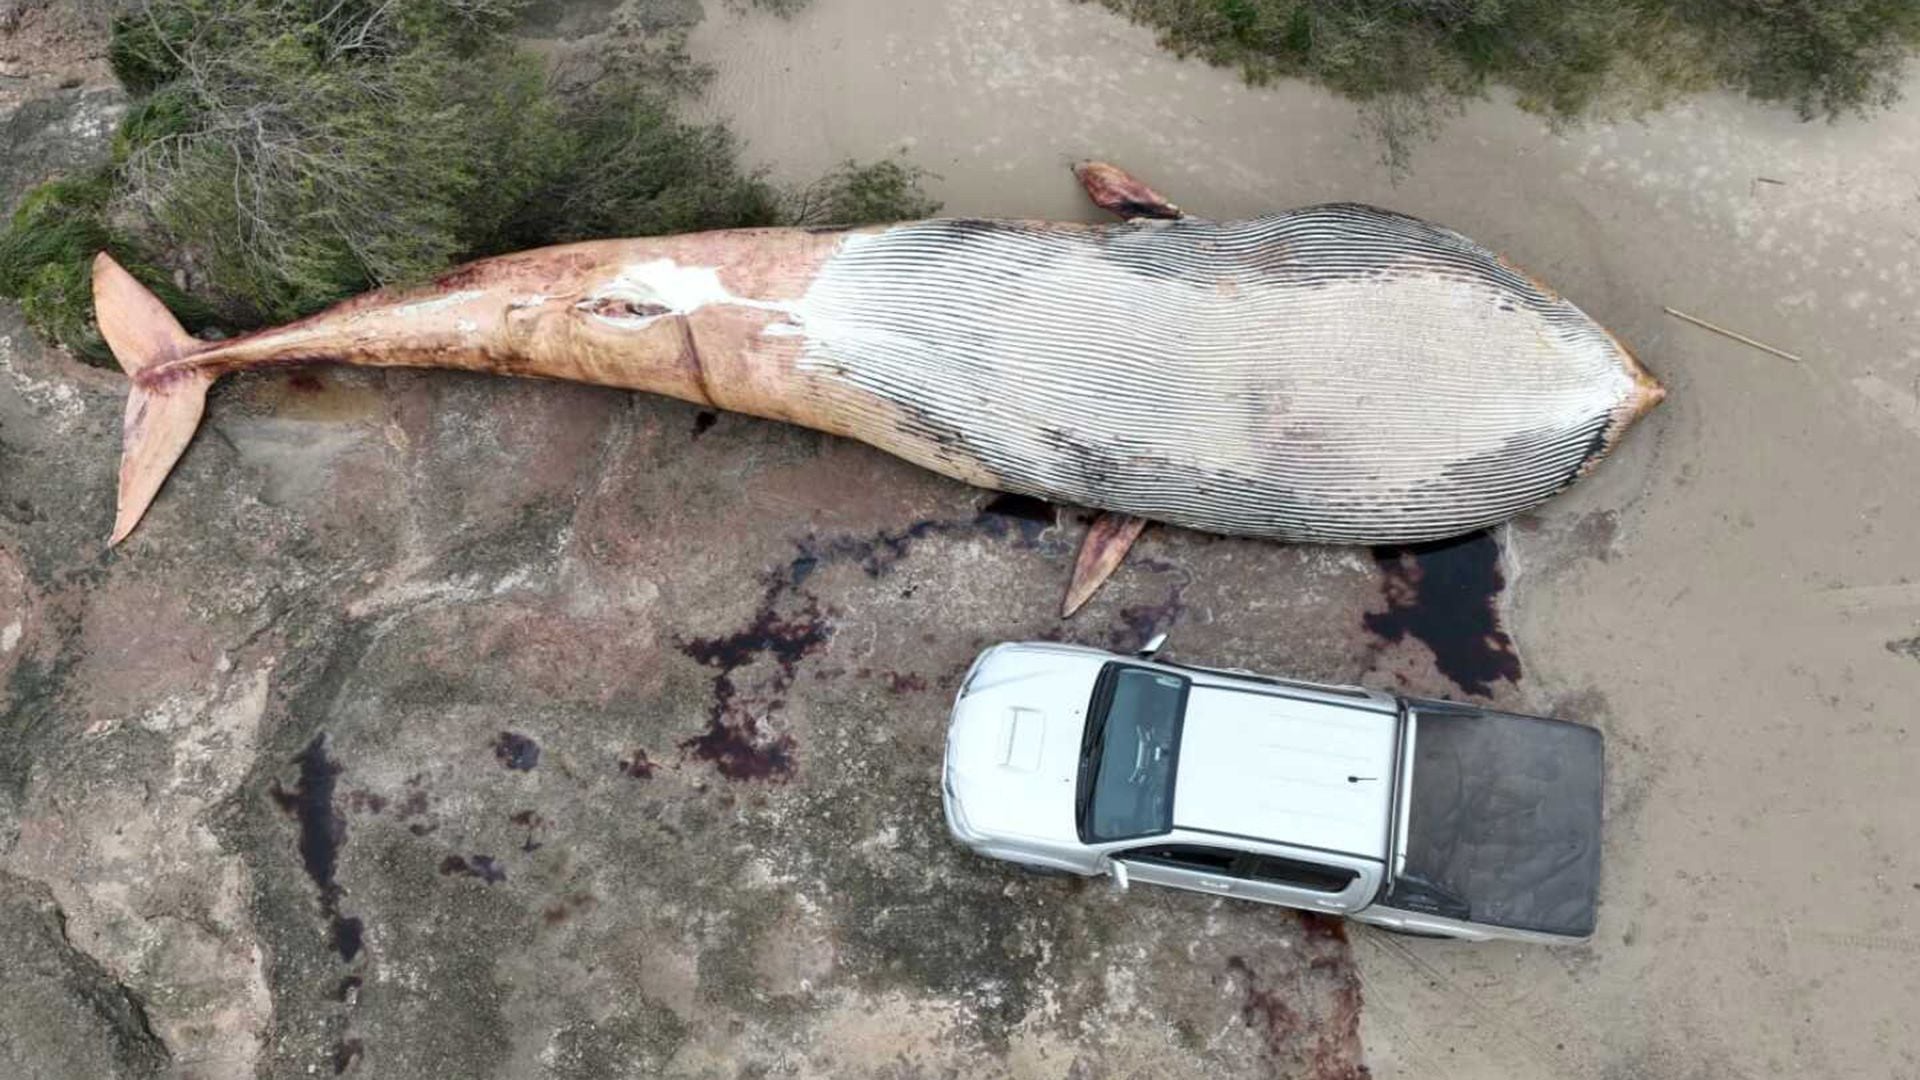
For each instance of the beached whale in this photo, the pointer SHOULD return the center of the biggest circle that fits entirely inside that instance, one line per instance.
(1334, 374)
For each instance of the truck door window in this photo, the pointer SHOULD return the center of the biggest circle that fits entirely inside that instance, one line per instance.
(1302, 875)
(1205, 860)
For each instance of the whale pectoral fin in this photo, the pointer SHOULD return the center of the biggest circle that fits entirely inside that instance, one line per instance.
(1112, 189)
(1108, 540)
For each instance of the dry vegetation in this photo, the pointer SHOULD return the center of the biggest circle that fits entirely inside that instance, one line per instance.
(283, 154)
(1412, 61)
(1821, 57)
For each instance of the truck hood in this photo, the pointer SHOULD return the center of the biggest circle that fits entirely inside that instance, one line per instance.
(1013, 747)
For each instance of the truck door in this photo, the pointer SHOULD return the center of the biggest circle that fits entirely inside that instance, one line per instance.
(1219, 871)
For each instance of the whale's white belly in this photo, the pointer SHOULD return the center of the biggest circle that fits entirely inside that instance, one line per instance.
(1335, 373)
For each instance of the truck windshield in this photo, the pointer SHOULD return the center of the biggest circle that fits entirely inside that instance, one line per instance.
(1128, 753)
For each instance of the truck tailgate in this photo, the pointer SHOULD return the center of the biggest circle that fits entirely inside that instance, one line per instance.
(1503, 818)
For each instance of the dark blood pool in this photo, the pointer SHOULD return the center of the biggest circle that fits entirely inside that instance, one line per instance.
(1446, 594)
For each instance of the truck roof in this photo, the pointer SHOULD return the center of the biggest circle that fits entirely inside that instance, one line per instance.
(1286, 769)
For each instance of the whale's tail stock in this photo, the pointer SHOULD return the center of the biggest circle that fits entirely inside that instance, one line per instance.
(164, 403)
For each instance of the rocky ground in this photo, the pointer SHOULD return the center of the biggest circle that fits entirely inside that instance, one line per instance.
(434, 725)
(446, 726)
(441, 726)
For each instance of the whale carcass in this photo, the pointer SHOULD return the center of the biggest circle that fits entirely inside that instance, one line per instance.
(1333, 374)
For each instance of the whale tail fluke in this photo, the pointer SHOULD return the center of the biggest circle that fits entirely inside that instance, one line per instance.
(164, 404)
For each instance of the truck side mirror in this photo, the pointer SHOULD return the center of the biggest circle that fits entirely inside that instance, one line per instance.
(1153, 646)
(1119, 871)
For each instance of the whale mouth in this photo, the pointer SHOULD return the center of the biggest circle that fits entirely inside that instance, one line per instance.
(1647, 390)
(1647, 393)
(1643, 394)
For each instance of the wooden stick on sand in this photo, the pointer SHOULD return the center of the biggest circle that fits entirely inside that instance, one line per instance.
(1724, 332)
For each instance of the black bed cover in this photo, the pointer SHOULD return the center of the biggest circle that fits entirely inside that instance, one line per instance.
(1503, 825)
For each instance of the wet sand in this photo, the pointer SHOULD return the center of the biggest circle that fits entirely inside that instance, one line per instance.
(1727, 597)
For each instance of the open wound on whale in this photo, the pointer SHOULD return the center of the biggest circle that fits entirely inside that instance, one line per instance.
(1334, 374)
(623, 310)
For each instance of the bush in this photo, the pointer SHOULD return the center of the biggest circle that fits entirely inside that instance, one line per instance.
(46, 258)
(284, 154)
(786, 9)
(624, 166)
(856, 194)
(1563, 57)
(1822, 57)
(43, 259)
(295, 152)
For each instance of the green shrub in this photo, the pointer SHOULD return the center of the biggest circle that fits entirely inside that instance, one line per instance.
(786, 9)
(856, 194)
(1822, 57)
(623, 165)
(285, 154)
(46, 259)
(1563, 57)
(44, 255)
(294, 152)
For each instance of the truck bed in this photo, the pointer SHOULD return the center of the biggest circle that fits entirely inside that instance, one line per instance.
(1503, 822)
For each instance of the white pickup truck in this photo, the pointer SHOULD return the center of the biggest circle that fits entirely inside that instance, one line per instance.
(1428, 817)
